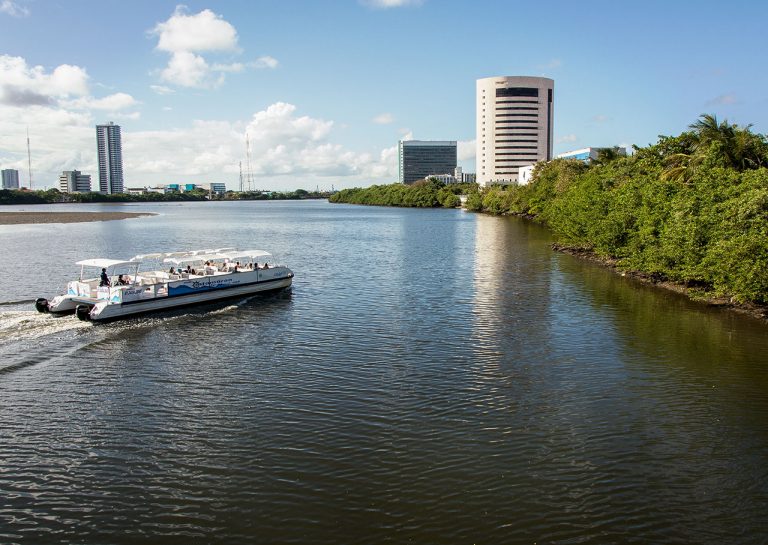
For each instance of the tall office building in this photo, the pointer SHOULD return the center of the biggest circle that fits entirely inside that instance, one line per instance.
(420, 158)
(110, 150)
(514, 126)
(10, 178)
(73, 181)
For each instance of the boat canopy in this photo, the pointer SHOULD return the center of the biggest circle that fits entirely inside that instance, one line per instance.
(104, 263)
(142, 257)
(177, 258)
(246, 253)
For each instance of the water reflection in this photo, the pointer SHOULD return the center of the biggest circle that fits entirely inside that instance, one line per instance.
(434, 376)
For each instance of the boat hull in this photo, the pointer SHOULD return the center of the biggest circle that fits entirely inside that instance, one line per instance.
(108, 311)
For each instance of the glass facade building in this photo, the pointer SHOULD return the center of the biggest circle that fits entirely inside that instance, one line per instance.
(418, 159)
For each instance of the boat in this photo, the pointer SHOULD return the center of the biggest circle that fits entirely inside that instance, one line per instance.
(194, 277)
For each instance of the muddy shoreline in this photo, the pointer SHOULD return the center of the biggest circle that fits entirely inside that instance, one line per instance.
(21, 218)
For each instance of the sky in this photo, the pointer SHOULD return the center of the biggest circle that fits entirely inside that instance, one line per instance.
(322, 90)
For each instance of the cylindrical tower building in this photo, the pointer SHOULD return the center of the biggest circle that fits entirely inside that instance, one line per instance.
(514, 126)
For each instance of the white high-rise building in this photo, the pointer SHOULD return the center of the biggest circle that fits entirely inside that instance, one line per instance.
(514, 126)
(110, 150)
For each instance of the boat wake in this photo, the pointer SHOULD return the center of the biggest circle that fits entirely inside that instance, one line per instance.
(29, 324)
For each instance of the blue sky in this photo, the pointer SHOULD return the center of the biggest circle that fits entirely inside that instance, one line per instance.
(325, 89)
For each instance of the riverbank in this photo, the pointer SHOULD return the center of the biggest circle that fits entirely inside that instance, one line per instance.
(20, 218)
(694, 293)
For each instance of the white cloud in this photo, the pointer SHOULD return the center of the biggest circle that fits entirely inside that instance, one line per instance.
(204, 31)
(386, 4)
(185, 37)
(566, 138)
(264, 62)
(9, 7)
(383, 119)
(188, 70)
(600, 118)
(24, 85)
(162, 89)
(132, 116)
(466, 150)
(282, 143)
(722, 100)
(288, 150)
(114, 102)
(407, 134)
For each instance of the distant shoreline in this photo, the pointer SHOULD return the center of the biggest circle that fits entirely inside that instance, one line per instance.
(21, 218)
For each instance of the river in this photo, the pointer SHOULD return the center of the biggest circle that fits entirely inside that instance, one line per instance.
(434, 376)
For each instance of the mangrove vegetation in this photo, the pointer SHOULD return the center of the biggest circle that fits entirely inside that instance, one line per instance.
(691, 209)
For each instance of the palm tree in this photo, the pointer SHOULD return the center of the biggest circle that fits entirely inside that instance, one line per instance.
(739, 147)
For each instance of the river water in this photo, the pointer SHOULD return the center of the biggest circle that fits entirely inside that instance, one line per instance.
(434, 376)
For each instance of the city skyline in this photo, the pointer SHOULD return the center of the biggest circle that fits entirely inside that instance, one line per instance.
(326, 90)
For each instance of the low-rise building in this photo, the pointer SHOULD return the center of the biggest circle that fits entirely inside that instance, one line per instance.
(524, 174)
(591, 154)
(74, 181)
(444, 178)
(215, 187)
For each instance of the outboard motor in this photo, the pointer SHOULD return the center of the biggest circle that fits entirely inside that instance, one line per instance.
(83, 312)
(41, 304)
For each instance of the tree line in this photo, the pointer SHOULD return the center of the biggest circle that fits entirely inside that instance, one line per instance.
(429, 193)
(50, 196)
(691, 208)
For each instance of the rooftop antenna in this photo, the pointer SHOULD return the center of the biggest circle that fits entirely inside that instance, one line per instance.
(29, 160)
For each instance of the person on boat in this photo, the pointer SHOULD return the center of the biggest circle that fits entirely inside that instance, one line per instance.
(104, 278)
(172, 271)
(190, 270)
(266, 265)
(237, 267)
(121, 280)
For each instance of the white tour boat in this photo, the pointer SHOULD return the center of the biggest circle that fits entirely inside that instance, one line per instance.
(196, 277)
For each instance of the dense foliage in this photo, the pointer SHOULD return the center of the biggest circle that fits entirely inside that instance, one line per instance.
(13, 196)
(429, 193)
(691, 208)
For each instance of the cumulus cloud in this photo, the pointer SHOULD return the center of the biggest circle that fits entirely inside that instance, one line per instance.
(204, 31)
(386, 4)
(264, 62)
(21, 80)
(17, 96)
(114, 102)
(383, 119)
(282, 144)
(722, 100)
(186, 37)
(288, 149)
(566, 138)
(57, 107)
(9, 7)
(162, 89)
